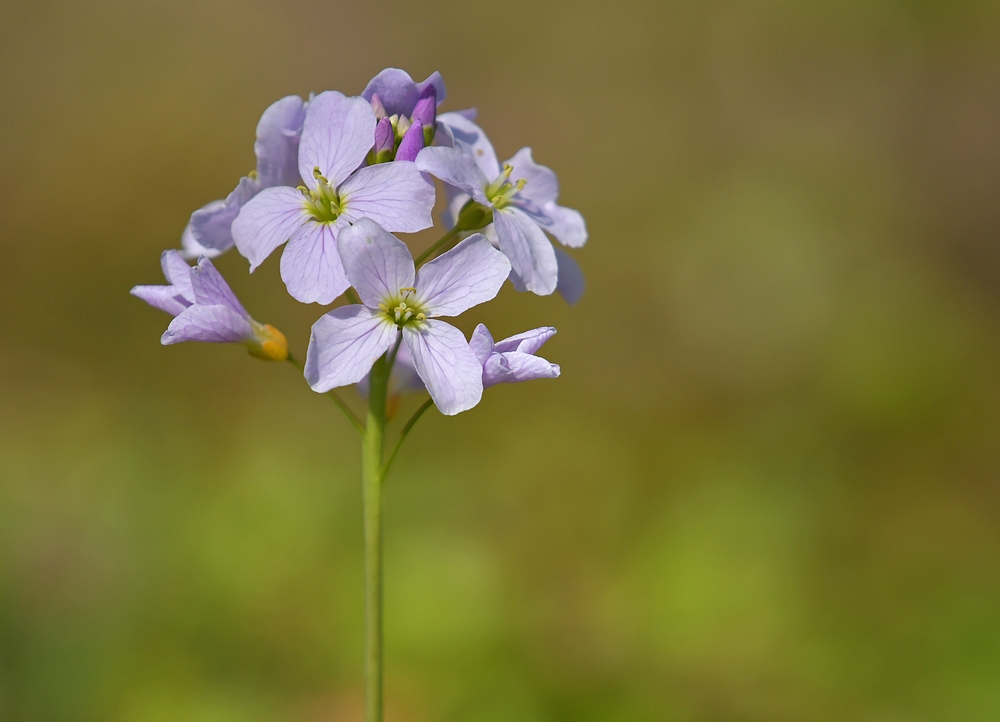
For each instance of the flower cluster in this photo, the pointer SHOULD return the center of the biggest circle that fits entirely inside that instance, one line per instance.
(336, 177)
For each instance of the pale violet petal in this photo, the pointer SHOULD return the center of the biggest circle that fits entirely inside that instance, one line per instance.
(178, 272)
(211, 289)
(396, 90)
(469, 274)
(394, 195)
(446, 364)
(456, 167)
(541, 185)
(456, 199)
(566, 224)
(190, 248)
(267, 220)
(435, 79)
(527, 342)
(337, 134)
(214, 324)
(462, 133)
(376, 263)
(311, 266)
(277, 144)
(571, 284)
(514, 366)
(164, 298)
(344, 344)
(531, 255)
(481, 343)
(211, 225)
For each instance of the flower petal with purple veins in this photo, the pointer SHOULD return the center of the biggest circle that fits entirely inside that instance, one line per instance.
(446, 365)
(211, 289)
(214, 324)
(344, 344)
(457, 167)
(178, 272)
(277, 144)
(268, 219)
(337, 134)
(376, 263)
(527, 342)
(394, 195)
(513, 367)
(530, 252)
(310, 264)
(481, 343)
(469, 274)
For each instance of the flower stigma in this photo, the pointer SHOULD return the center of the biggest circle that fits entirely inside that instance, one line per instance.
(403, 309)
(323, 203)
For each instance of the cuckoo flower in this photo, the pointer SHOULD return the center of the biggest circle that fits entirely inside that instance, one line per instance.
(513, 359)
(206, 309)
(336, 136)
(346, 342)
(209, 232)
(520, 198)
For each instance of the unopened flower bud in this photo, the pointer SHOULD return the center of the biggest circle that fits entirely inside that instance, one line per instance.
(268, 343)
(425, 111)
(378, 107)
(385, 142)
(412, 143)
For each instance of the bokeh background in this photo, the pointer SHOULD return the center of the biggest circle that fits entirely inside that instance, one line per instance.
(764, 489)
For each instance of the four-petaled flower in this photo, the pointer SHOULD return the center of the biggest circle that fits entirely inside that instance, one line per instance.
(206, 309)
(336, 136)
(521, 198)
(513, 360)
(347, 341)
(209, 231)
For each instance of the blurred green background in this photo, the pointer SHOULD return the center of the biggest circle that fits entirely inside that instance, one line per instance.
(764, 489)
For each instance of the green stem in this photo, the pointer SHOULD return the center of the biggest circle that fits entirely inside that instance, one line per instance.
(351, 416)
(449, 236)
(402, 434)
(371, 472)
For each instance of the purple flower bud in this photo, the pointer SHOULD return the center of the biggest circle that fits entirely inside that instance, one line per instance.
(425, 111)
(378, 107)
(412, 143)
(385, 142)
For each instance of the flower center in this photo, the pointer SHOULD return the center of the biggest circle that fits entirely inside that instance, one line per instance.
(323, 203)
(403, 309)
(501, 191)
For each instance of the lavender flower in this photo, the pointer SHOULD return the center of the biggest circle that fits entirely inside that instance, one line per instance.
(206, 309)
(336, 136)
(513, 359)
(277, 148)
(399, 95)
(346, 342)
(520, 199)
